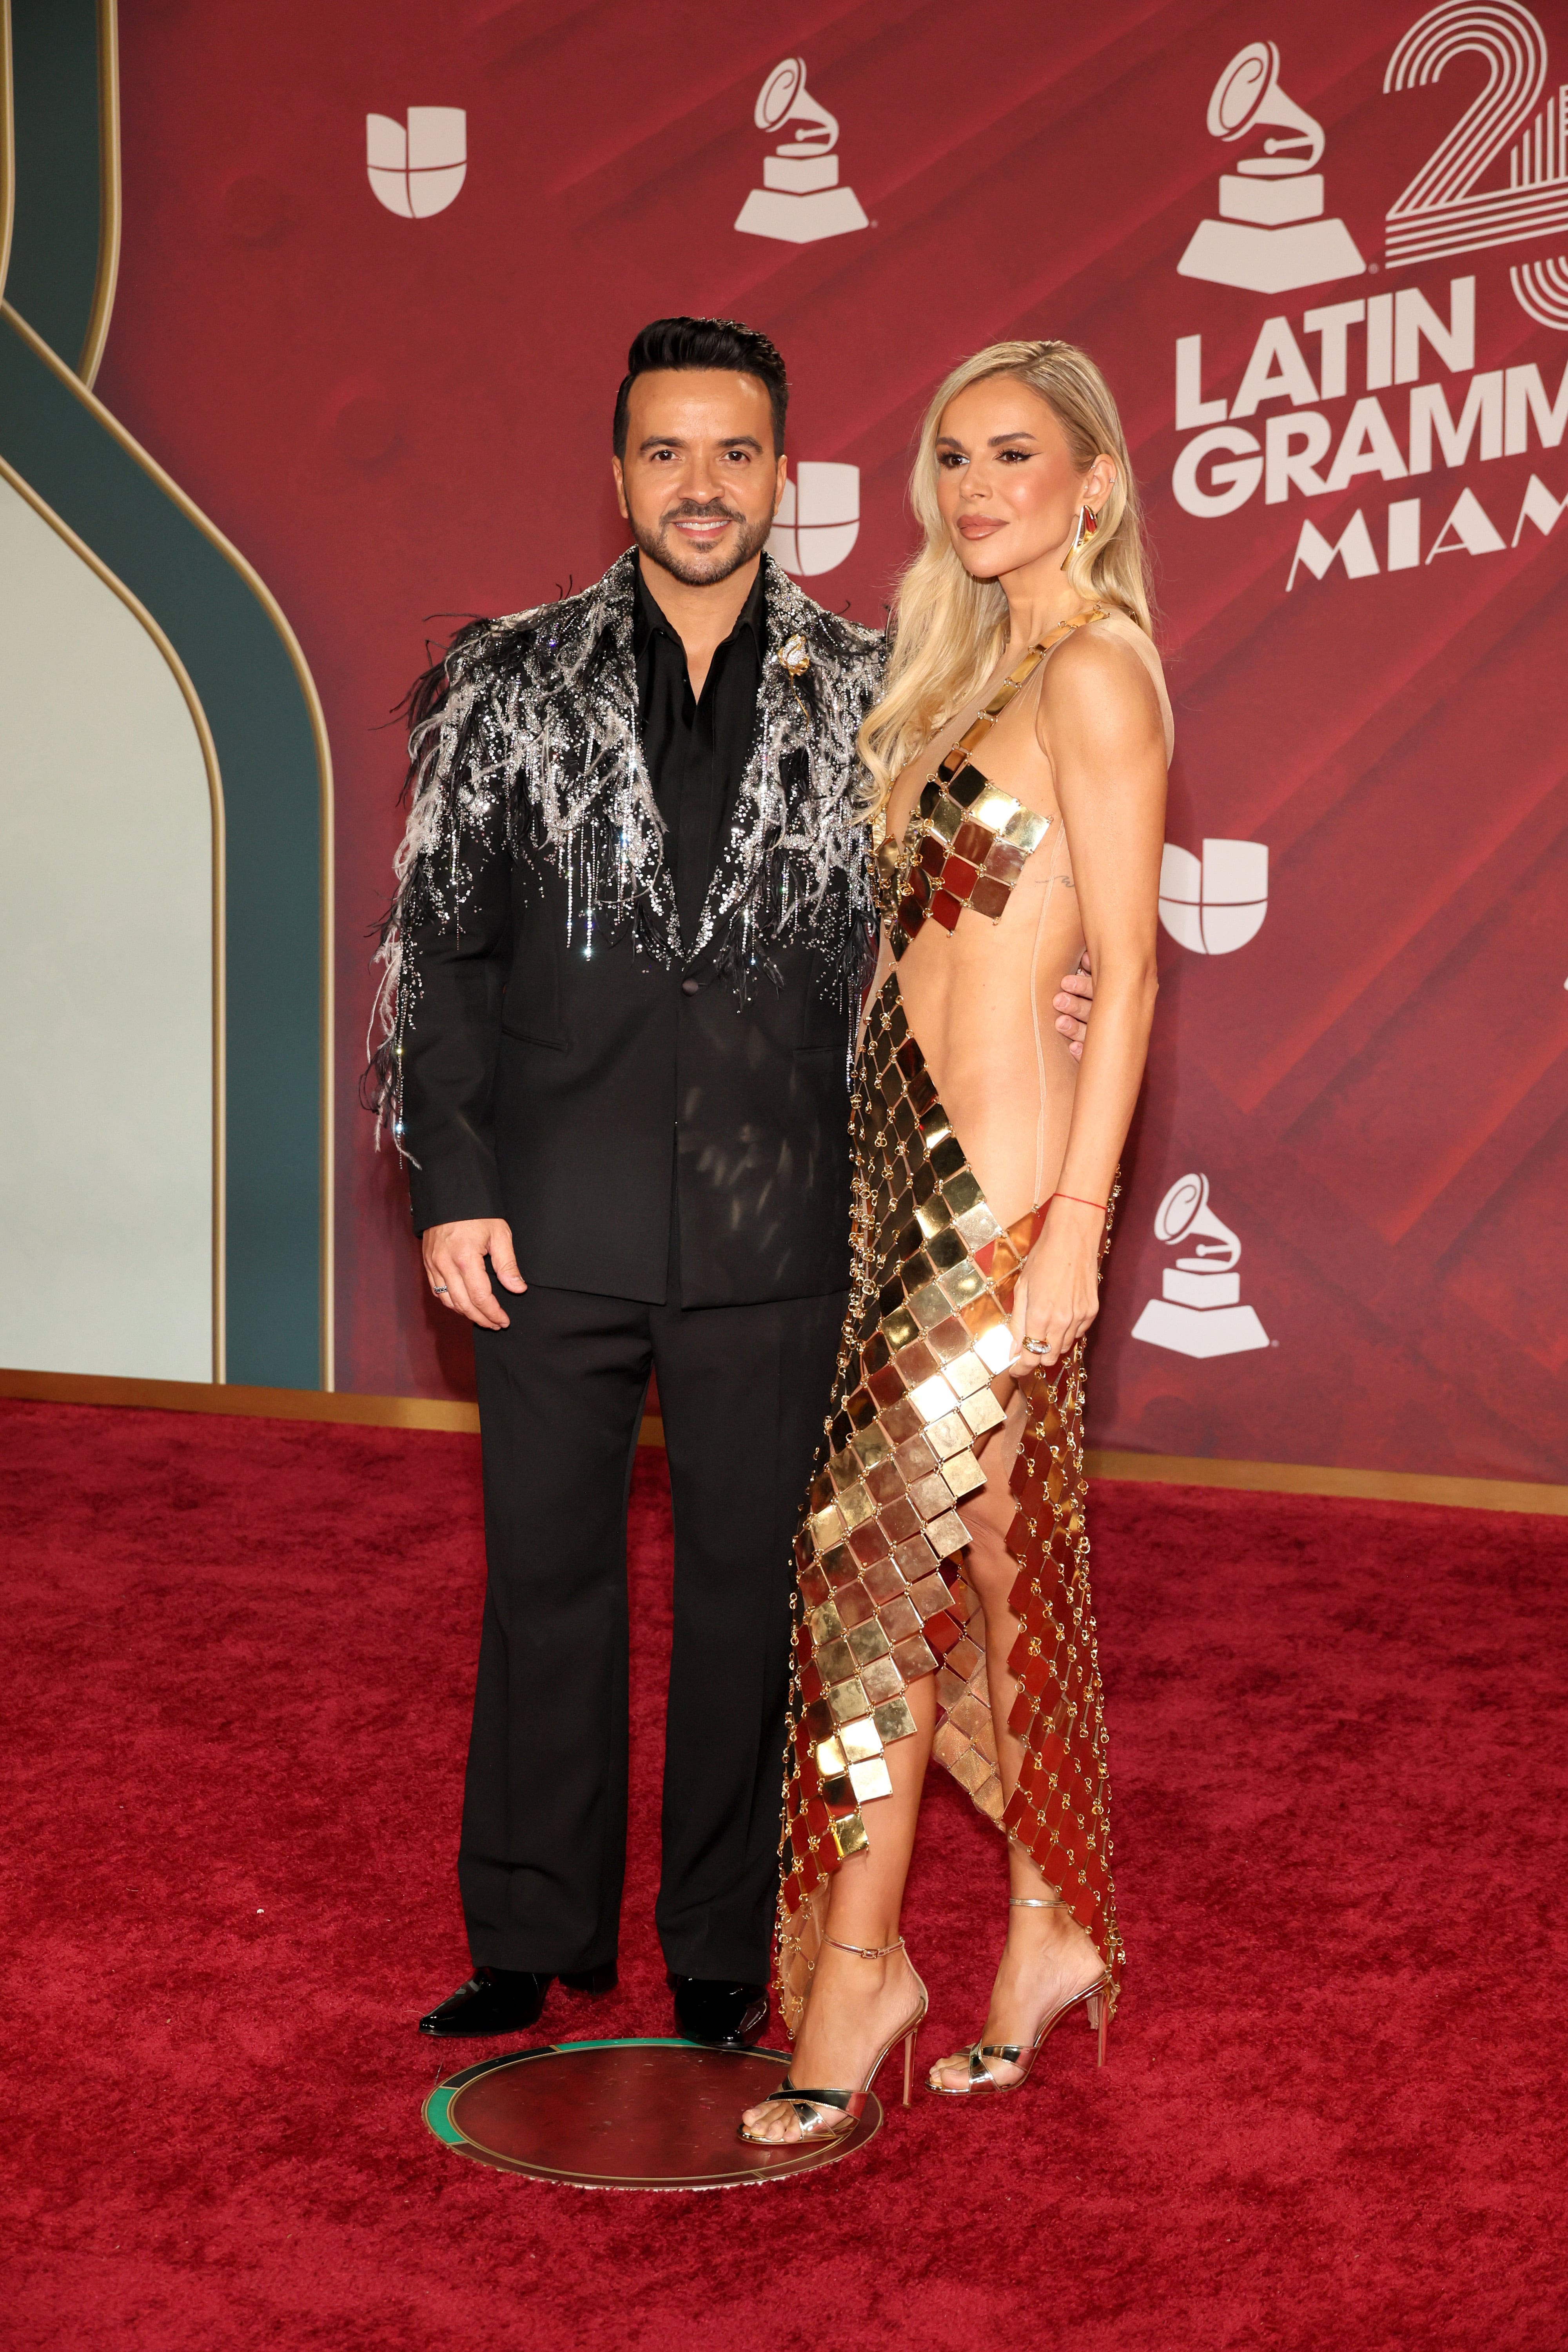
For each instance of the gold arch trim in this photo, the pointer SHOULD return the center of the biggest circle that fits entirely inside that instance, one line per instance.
(181, 678)
(280, 619)
(109, 205)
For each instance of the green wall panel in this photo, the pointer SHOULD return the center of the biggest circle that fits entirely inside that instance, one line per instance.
(57, 439)
(54, 254)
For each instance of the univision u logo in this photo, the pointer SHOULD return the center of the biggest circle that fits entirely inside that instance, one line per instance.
(819, 519)
(1215, 904)
(417, 170)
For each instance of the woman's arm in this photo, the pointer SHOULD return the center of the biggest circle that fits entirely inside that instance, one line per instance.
(1100, 724)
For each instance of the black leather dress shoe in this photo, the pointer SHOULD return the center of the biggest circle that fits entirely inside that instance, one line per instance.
(506, 2000)
(494, 2001)
(727, 2015)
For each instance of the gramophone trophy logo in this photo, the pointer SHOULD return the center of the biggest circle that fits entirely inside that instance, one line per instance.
(800, 199)
(1271, 234)
(1200, 1312)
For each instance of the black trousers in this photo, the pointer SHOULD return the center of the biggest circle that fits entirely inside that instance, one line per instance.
(742, 1391)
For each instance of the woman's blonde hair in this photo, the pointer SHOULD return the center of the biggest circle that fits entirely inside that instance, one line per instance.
(947, 630)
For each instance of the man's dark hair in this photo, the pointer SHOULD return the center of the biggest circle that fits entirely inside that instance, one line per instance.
(704, 343)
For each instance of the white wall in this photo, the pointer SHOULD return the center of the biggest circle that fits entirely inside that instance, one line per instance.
(106, 975)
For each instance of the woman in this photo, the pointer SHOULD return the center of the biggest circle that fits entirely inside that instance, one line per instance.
(1017, 785)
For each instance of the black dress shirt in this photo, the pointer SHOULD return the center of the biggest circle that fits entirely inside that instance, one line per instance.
(695, 749)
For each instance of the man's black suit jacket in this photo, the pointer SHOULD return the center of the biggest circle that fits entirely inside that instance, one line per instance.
(576, 1089)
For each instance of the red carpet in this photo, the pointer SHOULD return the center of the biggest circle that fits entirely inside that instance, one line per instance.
(240, 1659)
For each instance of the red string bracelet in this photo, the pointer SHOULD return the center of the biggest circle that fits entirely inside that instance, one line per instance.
(1082, 1204)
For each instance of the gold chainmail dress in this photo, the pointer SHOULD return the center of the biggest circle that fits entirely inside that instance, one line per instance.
(880, 1554)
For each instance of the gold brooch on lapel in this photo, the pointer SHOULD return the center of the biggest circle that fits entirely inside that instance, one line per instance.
(795, 661)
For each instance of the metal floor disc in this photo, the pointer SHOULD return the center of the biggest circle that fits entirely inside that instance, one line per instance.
(625, 2114)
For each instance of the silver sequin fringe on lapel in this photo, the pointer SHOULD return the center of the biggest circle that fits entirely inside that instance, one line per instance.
(526, 740)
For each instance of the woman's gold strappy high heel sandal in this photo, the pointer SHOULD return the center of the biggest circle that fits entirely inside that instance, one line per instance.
(1094, 1999)
(845, 2108)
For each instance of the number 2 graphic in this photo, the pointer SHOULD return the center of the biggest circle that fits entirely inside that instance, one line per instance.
(1441, 212)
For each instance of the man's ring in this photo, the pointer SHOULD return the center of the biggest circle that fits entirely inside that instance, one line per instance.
(440, 1288)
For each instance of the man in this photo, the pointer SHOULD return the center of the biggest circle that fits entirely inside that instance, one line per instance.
(623, 966)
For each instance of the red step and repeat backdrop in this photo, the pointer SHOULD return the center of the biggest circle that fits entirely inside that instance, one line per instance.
(382, 261)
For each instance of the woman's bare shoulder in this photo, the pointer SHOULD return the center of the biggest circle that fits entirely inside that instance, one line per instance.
(1108, 676)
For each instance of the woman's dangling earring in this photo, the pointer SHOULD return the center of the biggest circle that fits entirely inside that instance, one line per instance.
(1086, 525)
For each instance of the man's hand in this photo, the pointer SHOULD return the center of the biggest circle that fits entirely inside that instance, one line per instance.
(455, 1268)
(1074, 1004)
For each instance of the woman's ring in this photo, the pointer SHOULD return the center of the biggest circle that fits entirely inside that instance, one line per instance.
(1039, 1347)
(440, 1288)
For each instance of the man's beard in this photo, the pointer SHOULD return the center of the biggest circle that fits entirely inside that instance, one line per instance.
(697, 570)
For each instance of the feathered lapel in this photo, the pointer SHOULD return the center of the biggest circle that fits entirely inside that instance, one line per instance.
(539, 712)
(525, 737)
(793, 830)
